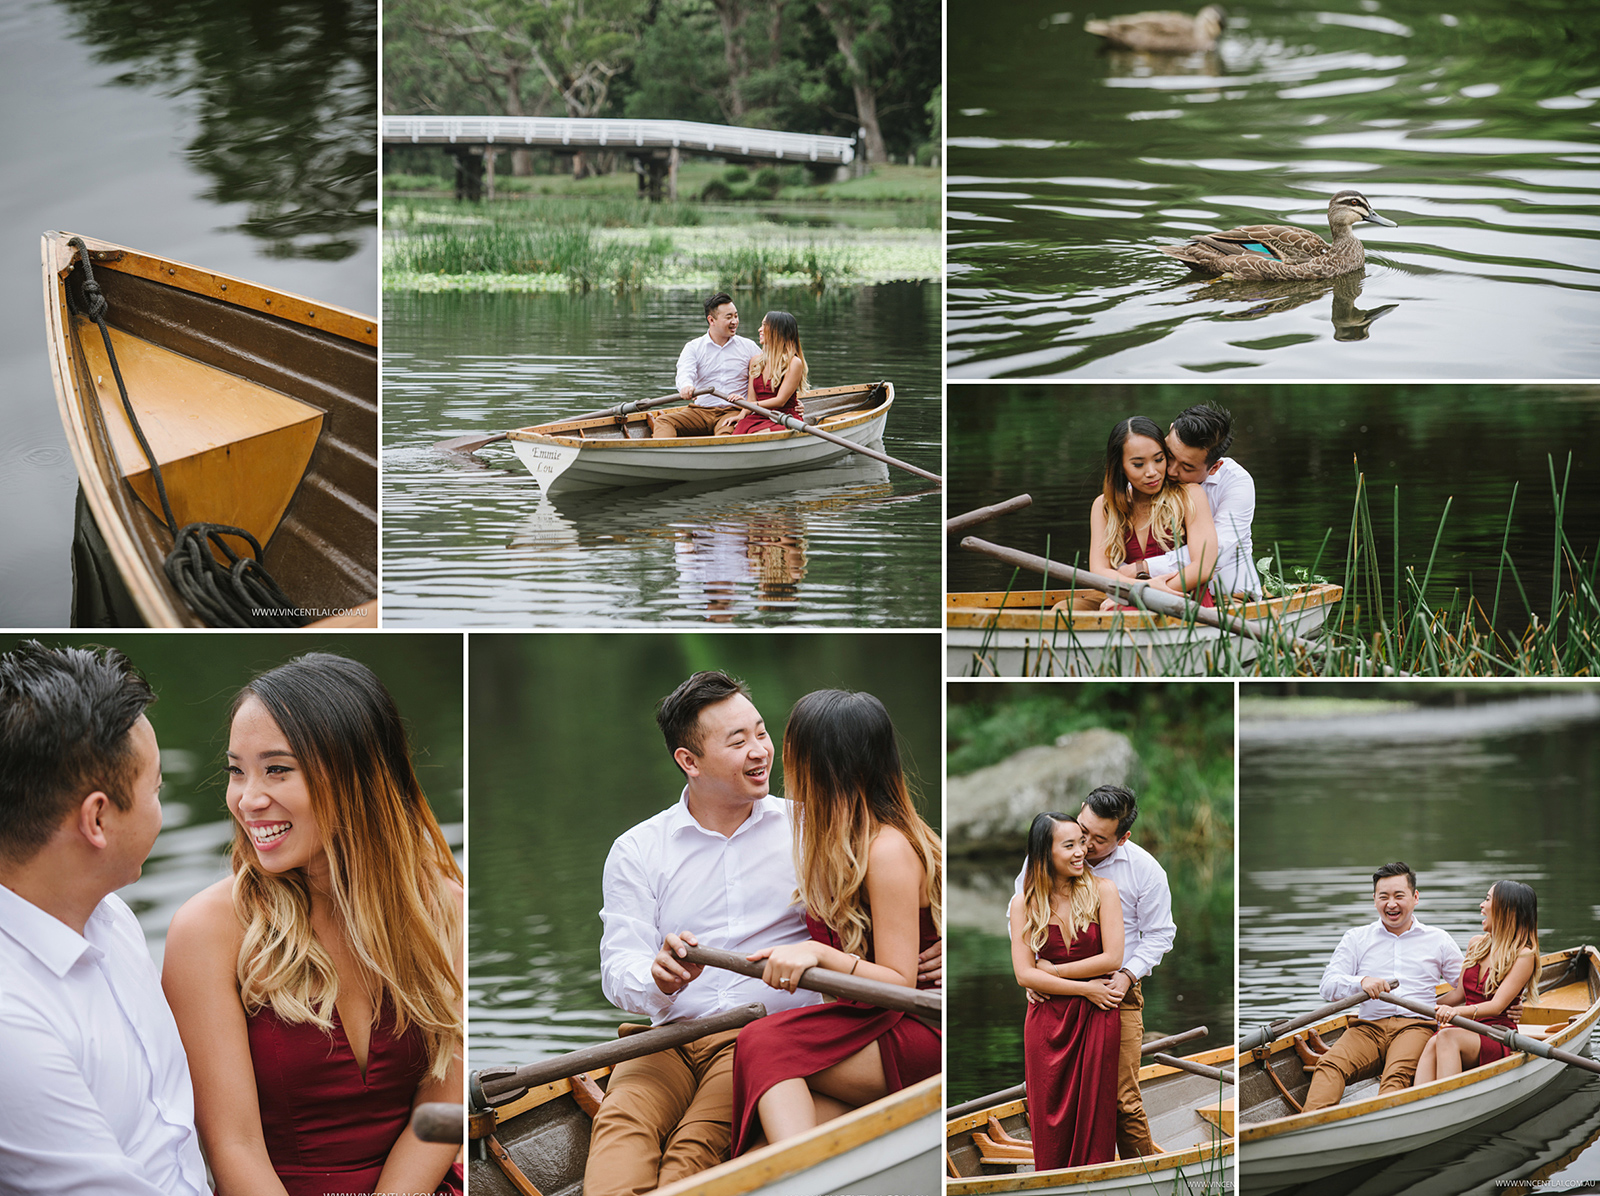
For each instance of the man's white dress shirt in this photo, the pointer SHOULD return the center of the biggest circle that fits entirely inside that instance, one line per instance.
(1231, 492)
(704, 363)
(95, 1094)
(1420, 959)
(1148, 930)
(736, 893)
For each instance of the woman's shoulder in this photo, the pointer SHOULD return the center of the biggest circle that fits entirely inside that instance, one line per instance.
(207, 919)
(891, 844)
(1098, 505)
(1108, 887)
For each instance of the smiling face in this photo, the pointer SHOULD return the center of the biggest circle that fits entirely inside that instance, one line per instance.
(1099, 834)
(1186, 464)
(1144, 462)
(1069, 849)
(734, 763)
(268, 792)
(1485, 906)
(723, 322)
(1395, 899)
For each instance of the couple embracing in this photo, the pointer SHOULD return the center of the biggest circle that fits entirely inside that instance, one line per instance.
(841, 874)
(305, 1004)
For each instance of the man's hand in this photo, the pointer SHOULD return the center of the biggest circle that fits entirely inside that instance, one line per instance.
(930, 965)
(1120, 983)
(687, 393)
(1372, 986)
(668, 969)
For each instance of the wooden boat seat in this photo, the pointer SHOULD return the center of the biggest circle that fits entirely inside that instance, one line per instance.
(1534, 1030)
(990, 1151)
(1558, 1005)
(230, 450)
(1220, 1114)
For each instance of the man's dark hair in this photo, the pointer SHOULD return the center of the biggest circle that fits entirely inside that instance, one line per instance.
(1398, 868)
(65, 714)
(1205, 427)
(678, 714)
(1113, 801)
(717, 301)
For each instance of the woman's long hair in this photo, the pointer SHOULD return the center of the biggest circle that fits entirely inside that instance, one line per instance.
(388, 862)
(1513, 928)
(841, 768)
(1040, 881)
(1169, 507)
(782, 347)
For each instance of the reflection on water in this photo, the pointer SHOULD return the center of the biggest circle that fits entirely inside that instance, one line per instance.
(1260, 298)
(1466, 795)
(284, 95)
(1472, 128)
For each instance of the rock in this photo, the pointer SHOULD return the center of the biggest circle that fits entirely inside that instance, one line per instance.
(990, 810)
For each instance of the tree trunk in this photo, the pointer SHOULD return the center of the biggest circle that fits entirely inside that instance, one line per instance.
(842, 20)
(732, 14)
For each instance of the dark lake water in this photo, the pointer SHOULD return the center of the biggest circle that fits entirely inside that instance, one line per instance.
(196, 678)
(236, 137)
(1472, 126)
(1470, 444)
(546, 805)
(1467, 794)
(477, 543)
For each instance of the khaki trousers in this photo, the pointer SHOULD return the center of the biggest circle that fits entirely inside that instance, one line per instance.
(664, 1117)
(1133, 1127)
(1392, 1044)
(692, 421)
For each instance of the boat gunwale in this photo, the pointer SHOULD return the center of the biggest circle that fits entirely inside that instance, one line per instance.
(964, 610)
(1259, 1131)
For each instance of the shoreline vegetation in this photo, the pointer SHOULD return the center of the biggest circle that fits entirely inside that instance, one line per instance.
(554, 234)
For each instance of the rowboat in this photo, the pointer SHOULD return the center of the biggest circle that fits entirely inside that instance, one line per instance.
(1016, 633)
(889, 1145)
(591, 454)
(1279, 1148)
(260, 408)
(1190, 1116)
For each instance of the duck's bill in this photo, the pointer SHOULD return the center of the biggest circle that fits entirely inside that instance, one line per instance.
(1374, 218)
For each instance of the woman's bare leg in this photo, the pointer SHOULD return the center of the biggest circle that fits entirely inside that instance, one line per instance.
(855, 1080)
(786, 1109)
(1427, 1064)
(1453, 1048)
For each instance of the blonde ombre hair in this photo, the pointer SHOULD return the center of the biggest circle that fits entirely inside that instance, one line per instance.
(782, 347)
(1169, 508)
(1513, 929)
(1040, 884)
(841, 769)
(388, 863)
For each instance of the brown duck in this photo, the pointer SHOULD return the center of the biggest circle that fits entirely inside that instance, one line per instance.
(1162, 32)
(1279, 251)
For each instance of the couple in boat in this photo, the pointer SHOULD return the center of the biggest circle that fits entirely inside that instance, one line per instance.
(305, 1004)
(840, 874)
(1091, 917)
(1174, 510)
(1499, 971)
(771, 375)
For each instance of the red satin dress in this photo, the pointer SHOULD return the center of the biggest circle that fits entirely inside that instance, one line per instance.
(328, 1128)
(1472, 986)
(1069, 1050)
(802, 1042)
(1133, 552)
(759, 392)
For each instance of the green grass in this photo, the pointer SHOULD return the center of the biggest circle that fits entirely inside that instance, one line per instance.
(882, 184)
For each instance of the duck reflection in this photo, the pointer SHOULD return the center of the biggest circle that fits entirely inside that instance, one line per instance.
(1264, 298)
(285, 96)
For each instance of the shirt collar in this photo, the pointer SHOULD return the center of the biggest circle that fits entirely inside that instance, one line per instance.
(679, 819)
(1416, 924)
(44, 936)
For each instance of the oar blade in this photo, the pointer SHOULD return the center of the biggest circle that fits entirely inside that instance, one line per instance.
(468, 444)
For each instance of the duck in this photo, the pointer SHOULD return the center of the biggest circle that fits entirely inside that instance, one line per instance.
(1162, 32)
(1279, 251)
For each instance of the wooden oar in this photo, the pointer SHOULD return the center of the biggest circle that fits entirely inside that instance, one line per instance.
(439, 1121)
(957, 524)
(497, 1085)
(1018, 1091)
(471, 444)
(795, 425)
(1199, 1069)
(926, 1002)
(1266, 1034)
(1510, 1038)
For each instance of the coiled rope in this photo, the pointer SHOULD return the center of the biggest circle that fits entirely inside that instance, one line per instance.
(242, 594)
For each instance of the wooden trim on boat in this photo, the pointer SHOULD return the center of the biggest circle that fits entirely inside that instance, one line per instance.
(543, 1094)
(1030, 610)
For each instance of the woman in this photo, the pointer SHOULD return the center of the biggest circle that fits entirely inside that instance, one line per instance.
(1500, 967)
(777, 374)
(1141, 513)
(869, 879)
(318, 991)
(1066, 941)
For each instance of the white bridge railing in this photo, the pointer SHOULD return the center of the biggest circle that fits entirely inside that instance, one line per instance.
(621, 135)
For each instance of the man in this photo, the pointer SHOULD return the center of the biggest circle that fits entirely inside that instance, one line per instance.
(1196, 442)
(96, 1097)
(1107, 818)
(720, 360)
(720, 861)
(1385, 1038)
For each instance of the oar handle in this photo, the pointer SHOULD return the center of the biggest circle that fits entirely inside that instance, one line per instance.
(796, 425)
(439, 1121)
(1511, 1039)
(1277, 1030)
(926, 1002)
(957, 524)
(1199, 1069)
(497, 1085)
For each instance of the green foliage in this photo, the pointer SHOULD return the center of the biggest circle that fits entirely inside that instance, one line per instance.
(1276, 585)
(735, 174)
(756, 265)
(587, 261)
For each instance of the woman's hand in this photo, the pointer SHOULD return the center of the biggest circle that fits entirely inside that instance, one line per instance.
(1100, 993)
(1443, 1013)
(786, 964)
(1111, 604)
